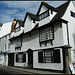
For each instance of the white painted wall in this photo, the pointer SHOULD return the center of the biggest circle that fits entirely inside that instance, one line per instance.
(71, 26)
(28, 24)
(54, 66)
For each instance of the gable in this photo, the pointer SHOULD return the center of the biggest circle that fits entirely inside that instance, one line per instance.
(46, 7)
(43, 9)
(17, 25)
(67, 15)
(28, 24)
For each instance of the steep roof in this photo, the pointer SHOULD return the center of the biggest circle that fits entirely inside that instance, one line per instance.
(32, 16)
(6, 29)
(60, 11)
(46, 5)
(20, 22)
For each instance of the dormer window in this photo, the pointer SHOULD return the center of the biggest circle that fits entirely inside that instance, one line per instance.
(44, 15)
(17, 29)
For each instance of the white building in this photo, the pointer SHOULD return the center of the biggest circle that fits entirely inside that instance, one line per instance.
(41, 41)
(4, 42)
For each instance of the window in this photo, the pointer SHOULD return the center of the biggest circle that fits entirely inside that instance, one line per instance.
(9, 46)
(17, 48)
(72, 14)
(5, 46)
(49, 56)
(44, 15)
(46, 34)
(17, 29)
(33, 21)
(18, 42)
(21, 57)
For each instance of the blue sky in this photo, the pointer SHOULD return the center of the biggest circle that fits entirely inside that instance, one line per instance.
(18, 9)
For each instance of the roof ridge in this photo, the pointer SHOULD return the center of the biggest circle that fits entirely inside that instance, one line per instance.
(63, 4)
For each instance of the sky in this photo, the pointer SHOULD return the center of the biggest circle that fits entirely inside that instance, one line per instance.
(18, 9)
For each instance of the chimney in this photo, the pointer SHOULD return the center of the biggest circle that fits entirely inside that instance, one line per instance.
(45, 2)
(14, 19)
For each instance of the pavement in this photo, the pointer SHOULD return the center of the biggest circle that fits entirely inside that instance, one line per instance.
(28, 71)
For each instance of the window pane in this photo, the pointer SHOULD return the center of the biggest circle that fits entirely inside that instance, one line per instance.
(20, 60)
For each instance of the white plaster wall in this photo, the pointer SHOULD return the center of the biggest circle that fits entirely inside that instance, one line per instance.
(54, 66)
(71, 26)
(33, 41)
(43, 9)
(12, 46)
(28, 24)
(65, 37)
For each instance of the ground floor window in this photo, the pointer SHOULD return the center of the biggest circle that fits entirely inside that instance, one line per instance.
(21, 57)
(46, 56)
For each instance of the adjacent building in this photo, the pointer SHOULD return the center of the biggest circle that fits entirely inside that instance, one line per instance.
(4, 42)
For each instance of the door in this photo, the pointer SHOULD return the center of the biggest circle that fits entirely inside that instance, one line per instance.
(30, 58)
(11, 59)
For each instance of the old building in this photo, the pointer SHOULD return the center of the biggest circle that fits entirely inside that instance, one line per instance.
(44, 40)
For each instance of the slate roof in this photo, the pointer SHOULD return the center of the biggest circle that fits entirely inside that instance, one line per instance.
(32, 16)
(60, 11)
(46, 5)
(20, 22)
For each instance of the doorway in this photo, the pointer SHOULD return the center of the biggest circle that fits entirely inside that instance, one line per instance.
(11, 59)
(30, 58)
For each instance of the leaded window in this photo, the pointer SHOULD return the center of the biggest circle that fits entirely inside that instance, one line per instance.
(44, 15)
(49, 56)
(21, 57)
(46, 34)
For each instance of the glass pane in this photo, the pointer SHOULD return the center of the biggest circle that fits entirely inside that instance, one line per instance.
(20, 60)
(20, 55)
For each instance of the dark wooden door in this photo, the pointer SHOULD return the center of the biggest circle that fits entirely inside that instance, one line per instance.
(30, 58)
(11, 59)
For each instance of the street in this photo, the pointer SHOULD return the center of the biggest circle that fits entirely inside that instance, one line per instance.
(11, 71)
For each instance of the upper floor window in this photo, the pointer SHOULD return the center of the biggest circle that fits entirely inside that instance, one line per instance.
(44, 15)
(17, 29)
(46, 34)
(18, 44)
(72, 14)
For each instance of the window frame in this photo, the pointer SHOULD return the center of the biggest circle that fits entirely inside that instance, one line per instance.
(43, 15)
(23, 58)
(53, 57)
(52, 26)
(72, 14)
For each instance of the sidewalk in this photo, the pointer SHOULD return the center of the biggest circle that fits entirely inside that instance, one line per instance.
(30, 70)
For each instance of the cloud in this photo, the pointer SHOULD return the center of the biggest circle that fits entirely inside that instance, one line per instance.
(18, 9)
